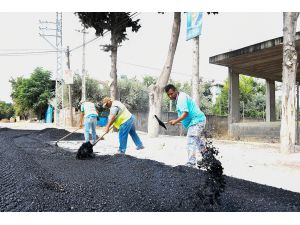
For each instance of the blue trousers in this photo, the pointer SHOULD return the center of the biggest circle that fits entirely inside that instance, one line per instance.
(90, 123)
(125, 129)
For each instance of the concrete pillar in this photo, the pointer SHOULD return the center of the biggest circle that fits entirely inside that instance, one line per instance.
(270, 101)
(233, 97)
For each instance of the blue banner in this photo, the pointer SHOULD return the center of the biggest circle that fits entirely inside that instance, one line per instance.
(194, 24)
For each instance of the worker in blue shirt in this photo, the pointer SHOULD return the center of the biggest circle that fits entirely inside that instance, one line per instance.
(192, 119)
(89, 113)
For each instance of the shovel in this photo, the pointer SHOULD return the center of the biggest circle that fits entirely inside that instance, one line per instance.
(161, 123)
(66, 136)
(101, 137)
(86, 149)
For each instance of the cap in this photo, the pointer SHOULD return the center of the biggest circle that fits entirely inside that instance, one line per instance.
(105, 100)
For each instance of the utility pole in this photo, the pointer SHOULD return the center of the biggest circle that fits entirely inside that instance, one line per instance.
(69, 86)
(59, 82)
(83, 97)
(297, 117)
(195, 71)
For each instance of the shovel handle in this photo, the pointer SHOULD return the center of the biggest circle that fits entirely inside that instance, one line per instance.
(102, 136)
(67, 135)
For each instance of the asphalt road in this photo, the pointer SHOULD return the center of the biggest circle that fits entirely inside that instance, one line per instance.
(37, 176)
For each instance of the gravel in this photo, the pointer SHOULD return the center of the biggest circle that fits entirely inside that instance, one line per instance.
(37, 176)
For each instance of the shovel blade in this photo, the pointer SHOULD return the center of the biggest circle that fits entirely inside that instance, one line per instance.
(161, 123)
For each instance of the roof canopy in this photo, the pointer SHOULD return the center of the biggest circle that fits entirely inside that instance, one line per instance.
(261, 60)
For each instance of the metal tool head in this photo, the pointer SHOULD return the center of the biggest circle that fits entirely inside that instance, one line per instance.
(161, 123)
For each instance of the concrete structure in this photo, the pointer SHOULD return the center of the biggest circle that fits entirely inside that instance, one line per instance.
(261, 60)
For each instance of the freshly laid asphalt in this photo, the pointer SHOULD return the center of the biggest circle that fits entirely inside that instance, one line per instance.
(38, 176)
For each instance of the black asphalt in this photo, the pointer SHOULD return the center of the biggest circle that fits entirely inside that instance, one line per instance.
(38, 176)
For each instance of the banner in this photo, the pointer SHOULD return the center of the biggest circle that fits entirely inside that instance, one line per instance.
(194, 24)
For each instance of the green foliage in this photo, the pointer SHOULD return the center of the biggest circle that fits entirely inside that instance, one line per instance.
(221, 105)
(6, 110)
(94, 92)
(148, 80)
(134, 94)
(206, 97)
(114, 22)
(21, 106)
(252, 96)
(32, 94)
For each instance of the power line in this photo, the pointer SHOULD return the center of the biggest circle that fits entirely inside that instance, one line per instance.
(152, 68)
(46, 51)
(27, 53)
(23, 49)
(106, 32)
(159, 69)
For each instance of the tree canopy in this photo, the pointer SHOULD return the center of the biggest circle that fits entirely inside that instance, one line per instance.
(252, 98)
(116, 23)
(33, 93)
(6, 110)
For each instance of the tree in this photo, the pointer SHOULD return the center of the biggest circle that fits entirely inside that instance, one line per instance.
(149, 80)
(21, 106)
(94, 92)
(116, 23)
(221, 105)
(289, 70)
(205, 97)
(134, 95)
(252, 96)
(156, 91)
(32, 94)
(6, 110)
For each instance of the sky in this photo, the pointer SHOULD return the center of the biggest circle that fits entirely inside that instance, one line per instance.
(143, 54)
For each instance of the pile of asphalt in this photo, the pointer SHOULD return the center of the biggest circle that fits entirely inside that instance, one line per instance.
(41, 177)
(52, 134)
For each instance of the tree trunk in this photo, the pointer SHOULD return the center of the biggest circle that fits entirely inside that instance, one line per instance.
(289, 69)
(113, 72)
(195, 71)
(156, 91)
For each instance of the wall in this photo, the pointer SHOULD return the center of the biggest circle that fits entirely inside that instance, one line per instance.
(264, 131)
(217, 124)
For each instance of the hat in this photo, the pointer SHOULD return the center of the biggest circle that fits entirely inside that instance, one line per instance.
(105, 100)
